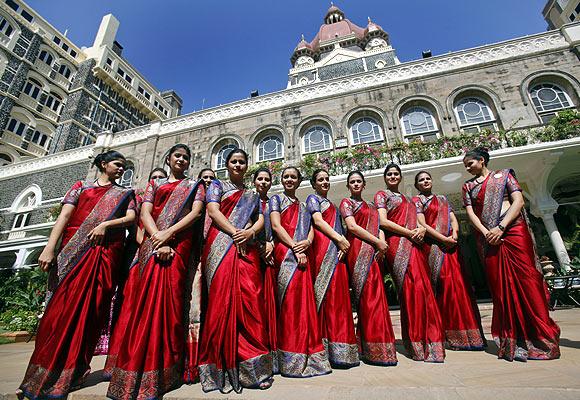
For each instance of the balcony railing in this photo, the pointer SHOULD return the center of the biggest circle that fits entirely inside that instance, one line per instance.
(27, 100)
(43, 67)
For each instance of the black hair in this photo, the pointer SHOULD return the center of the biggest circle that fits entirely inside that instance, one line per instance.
(417, 177)
(157, 170)
(294, 168)
(203, 170)
(107, 157)
(479, 153)
(175, 147)
(315, 175)
(389, 166)
(236, 151)
(261, 169)
(356, 172)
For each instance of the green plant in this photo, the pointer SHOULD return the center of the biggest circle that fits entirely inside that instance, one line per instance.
(53, 212)
(19, 320)
(22, 296)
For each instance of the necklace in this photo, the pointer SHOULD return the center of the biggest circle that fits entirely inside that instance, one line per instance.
(99, 185)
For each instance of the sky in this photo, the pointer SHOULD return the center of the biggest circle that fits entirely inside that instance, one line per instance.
(213, 53)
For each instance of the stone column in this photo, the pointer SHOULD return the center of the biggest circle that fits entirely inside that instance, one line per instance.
(545, 209)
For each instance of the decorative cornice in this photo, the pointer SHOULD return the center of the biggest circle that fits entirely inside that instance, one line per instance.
(46, 162)
(552, 40)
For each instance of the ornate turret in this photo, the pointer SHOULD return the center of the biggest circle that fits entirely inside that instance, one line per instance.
(339, 40)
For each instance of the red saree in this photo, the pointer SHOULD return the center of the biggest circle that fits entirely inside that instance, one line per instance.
(301, 353)
(374, 329)
(79, 295)
(521, 323)
(331, 289)
(459, 313)
(146, 357)
(233, 351)
(270, 276)
(421, 324)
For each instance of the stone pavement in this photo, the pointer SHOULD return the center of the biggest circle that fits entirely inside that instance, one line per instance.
(464, 375)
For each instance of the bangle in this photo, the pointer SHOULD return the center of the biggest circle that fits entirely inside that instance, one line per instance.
(253, 233)
(501, 227)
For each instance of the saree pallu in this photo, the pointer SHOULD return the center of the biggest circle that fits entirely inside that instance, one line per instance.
(301, 352)
(147, 352)
(374, 328)
(521, 323)
(131, 248)
(233, 351)
(270, 276)
(331, 290)
(421, 325)
(459, 313)
(81, 285)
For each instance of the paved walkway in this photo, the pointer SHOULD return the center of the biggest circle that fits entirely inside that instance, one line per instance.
(464, 375)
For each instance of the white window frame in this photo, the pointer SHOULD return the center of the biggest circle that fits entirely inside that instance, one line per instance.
(370, 120)
(325, 131)
(419, 134)
(477, 126)
(544, 114)
(261, 143)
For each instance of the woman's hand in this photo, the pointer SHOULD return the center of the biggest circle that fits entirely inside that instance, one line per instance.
(160, 238)
(418, 234)
(343, 244)
(449, 242)
(301, 258)
(165, 253)
(97, 234)
(382, 247)
(46, 259)
(242, 250)
(301, 246)
(493, 236)
(242, 236)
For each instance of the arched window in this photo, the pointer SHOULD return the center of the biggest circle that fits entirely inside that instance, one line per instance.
(270, 147)
(317, 138)
(65, 71)
(46, 57)
(33, 88)
(549, 98)
(220, 159)
(474, 115)
(418, 123)
(5, 27)
(5, 159)
(365, 130)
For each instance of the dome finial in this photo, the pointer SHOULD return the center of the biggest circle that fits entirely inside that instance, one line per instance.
(302, 37)
(369, 19)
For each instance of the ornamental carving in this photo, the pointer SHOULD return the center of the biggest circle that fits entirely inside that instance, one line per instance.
(376, 43)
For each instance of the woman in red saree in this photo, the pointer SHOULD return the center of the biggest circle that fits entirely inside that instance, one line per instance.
(521, 324)
(82, 281)
(421, 324)
(367, 248)
(146, 357)
(331, 286)
(459, 313)
(301, 352)
(263, 183)
(132, 243)
(233, 351)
